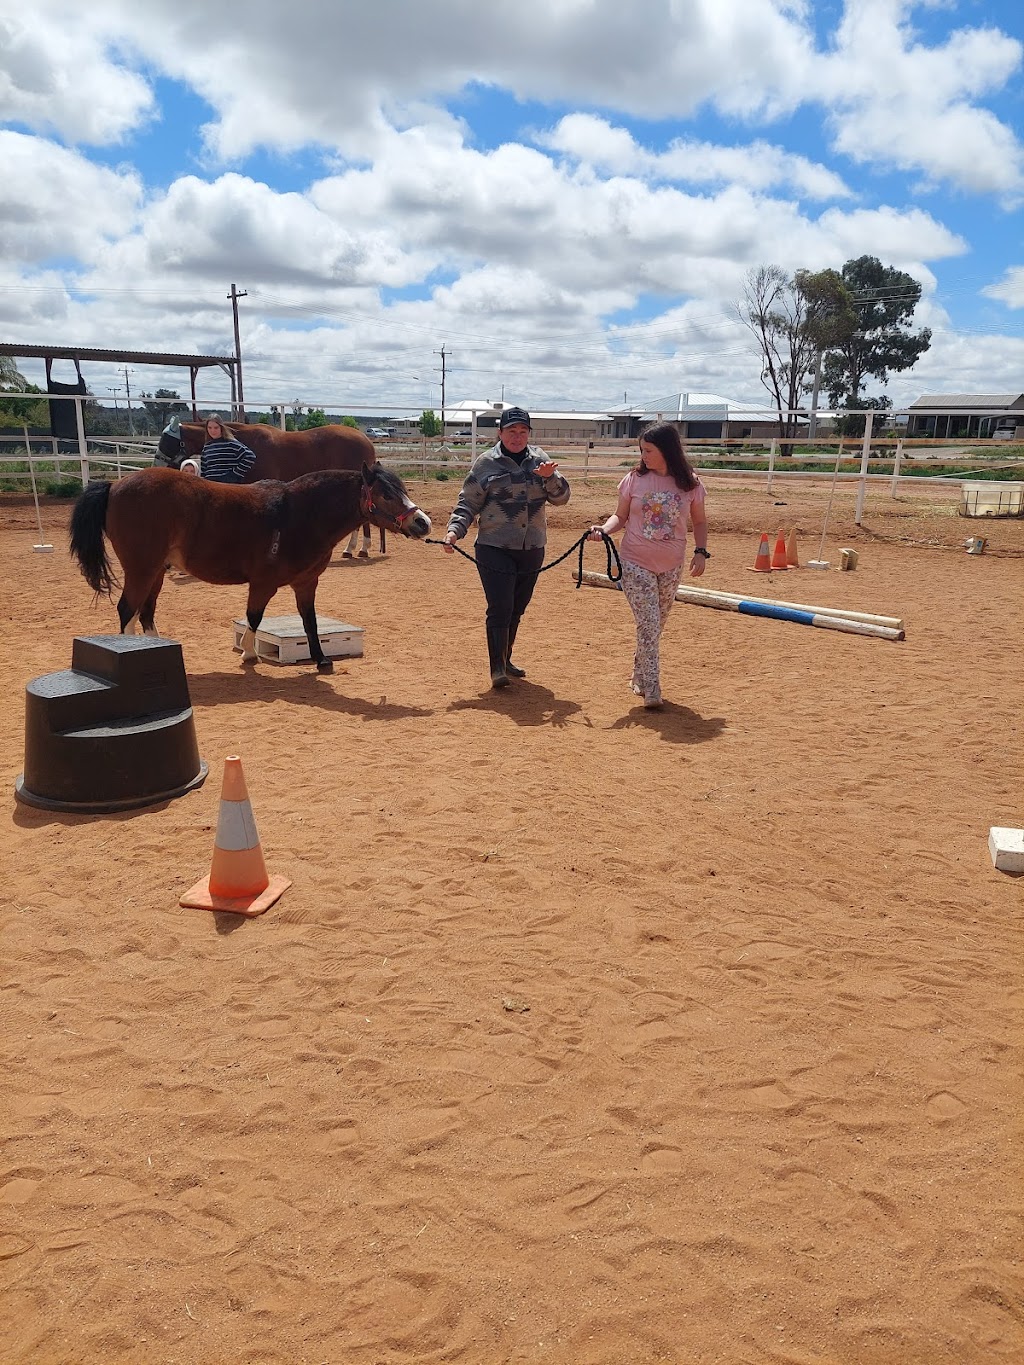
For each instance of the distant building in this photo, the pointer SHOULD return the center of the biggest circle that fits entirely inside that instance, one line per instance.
(698, 416)
(705, 417)
(547, 426)
(948, 416)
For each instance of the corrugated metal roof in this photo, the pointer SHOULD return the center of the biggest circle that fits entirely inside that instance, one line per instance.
(967, 401)
(708, 407)
(463, 411)
(118, 357)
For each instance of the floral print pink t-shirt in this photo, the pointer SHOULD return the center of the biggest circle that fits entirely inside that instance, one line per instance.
(655, 535)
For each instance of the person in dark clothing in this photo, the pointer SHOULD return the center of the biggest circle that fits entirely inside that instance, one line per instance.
(507, 491)
(224, 459)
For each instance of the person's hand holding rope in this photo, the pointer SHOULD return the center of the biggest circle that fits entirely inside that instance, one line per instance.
(607, 528)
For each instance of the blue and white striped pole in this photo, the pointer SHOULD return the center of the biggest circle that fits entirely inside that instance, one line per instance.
(825, 618)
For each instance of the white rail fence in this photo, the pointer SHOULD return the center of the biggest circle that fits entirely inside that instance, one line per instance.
(109, 457)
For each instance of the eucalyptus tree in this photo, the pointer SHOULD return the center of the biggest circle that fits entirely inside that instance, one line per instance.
(794, 319)
(881, 342)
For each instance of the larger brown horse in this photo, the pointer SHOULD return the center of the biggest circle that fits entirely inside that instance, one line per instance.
(287, 454)
(267, 534)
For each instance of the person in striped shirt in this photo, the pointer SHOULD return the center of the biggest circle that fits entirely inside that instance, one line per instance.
(224, 459)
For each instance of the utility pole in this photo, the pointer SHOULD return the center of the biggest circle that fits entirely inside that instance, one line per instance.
(128, 399)
(234, 296)
(443, 356)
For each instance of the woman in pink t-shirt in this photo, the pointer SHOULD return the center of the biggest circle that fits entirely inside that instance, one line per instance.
(655, 500)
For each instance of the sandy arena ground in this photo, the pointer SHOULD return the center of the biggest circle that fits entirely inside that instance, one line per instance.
(584, 1033)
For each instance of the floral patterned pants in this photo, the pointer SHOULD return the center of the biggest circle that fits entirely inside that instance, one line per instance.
(650, 597)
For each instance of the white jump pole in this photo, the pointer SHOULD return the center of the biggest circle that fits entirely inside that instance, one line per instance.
(827, 618)
(599, 580)
(870, 618)
(776, 612)
(44, 546)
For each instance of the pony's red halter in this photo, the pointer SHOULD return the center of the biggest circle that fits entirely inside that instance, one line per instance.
(366, 505)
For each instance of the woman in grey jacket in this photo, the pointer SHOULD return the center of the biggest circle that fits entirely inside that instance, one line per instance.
(507, 491)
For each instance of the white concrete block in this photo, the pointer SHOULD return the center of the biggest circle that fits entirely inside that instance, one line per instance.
(1007, 849)
(282, 639)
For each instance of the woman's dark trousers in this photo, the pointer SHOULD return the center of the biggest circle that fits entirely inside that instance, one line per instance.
(508, 578)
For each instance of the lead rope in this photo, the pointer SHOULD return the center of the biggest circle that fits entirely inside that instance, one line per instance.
(609, 547)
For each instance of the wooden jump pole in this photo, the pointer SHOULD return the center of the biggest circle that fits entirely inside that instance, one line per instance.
(826, 618)
(777, 612)
(599, 580)
(687, 594)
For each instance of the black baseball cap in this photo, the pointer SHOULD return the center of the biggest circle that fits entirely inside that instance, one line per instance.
(511, 416)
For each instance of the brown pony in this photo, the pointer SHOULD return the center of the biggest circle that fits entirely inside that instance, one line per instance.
(287, 455)
(268, 535)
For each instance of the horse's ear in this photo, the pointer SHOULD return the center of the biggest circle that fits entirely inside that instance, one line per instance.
(367, 474)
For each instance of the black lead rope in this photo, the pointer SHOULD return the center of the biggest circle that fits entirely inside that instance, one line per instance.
(611, 553)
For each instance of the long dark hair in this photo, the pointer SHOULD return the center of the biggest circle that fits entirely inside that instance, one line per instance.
(665, 436)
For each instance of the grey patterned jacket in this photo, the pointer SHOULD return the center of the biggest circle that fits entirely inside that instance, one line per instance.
(510, 500)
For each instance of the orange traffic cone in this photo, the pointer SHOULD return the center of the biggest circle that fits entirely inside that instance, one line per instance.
(238, 880)
(763, 562)
(779, 553)
(792, 558)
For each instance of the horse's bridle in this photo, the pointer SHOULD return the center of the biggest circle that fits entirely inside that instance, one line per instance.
(366, 506)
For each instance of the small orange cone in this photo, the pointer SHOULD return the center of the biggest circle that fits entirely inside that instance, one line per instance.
(238, 880)
(792, 558)
(763, 562)
(779, 560)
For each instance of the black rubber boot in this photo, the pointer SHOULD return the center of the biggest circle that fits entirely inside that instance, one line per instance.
(497, 652)
(510, 668)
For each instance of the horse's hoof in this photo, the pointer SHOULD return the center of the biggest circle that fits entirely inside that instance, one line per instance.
(325, 666)
(346, 554)
(364, 554)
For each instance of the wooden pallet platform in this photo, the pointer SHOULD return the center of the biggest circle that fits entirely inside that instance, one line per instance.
(282, 639)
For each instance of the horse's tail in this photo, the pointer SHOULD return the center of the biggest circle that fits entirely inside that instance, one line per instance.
(87, 546)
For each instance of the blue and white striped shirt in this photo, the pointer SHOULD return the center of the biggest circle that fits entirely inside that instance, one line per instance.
(226, 461)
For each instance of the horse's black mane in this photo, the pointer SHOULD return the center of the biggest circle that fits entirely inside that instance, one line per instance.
(389, 479)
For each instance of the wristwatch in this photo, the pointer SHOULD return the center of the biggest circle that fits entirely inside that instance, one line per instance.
(700, 550)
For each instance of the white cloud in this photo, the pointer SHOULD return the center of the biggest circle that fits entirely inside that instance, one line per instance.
(58, 75)
(236, 225)
(975, 363)
(896, 103)
(516, 207)
(310, 74)
(758, 166)
(56, 202)
(1010, 289)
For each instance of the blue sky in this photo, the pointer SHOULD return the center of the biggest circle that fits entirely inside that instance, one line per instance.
(569, 195)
